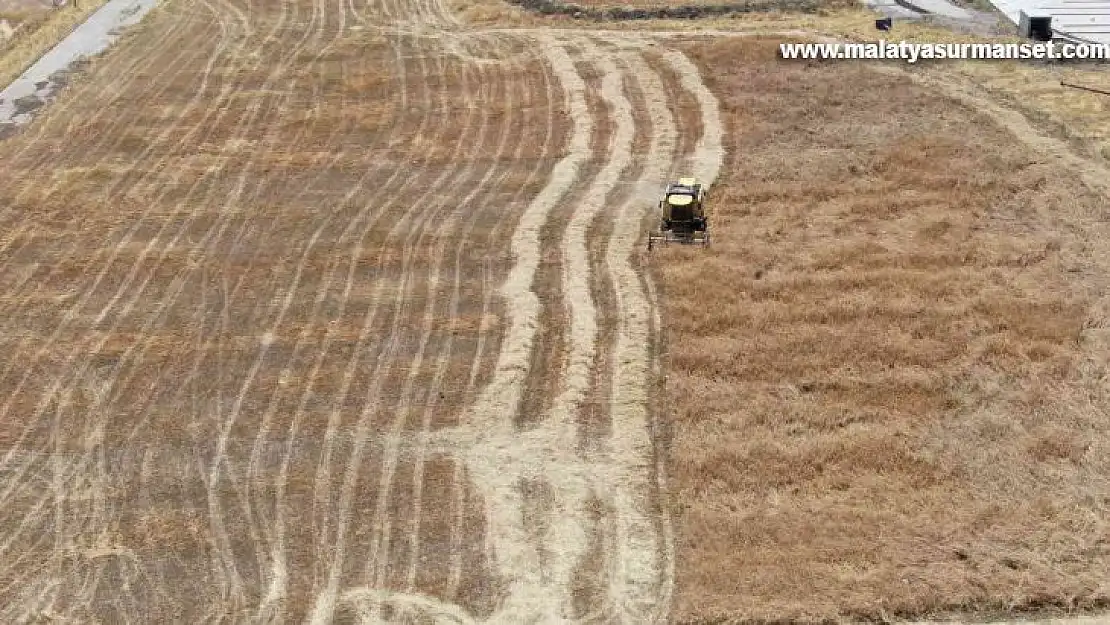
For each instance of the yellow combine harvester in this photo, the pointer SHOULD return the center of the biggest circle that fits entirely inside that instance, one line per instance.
(683, 214)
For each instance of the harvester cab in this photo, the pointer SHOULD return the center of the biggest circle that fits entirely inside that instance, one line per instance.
(682, 214)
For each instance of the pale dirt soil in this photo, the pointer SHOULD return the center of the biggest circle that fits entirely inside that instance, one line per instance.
(885, 376)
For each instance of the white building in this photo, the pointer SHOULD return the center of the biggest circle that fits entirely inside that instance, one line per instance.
(1082, 20)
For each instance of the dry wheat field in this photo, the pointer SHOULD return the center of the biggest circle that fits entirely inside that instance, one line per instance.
(339, 312)
(333, 312)
(887, 379)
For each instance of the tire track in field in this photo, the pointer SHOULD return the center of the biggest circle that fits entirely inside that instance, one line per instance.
(380, 544)
(279, 577)
(110, 91)
(319, 17)
(221, 458)
(277, 587)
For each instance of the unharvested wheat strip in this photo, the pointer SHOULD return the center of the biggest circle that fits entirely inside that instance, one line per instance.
(666, 527)
(325, 602)
(458, 486)
(490, 419)
(635, 588)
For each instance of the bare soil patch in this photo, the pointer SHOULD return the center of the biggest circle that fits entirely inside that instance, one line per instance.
(883, 378)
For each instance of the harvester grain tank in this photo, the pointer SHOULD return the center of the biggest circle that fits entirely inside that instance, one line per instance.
(682, 214)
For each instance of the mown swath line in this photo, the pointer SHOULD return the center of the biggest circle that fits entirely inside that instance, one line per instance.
(458, 485)
(635, 586)
(490, 418)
